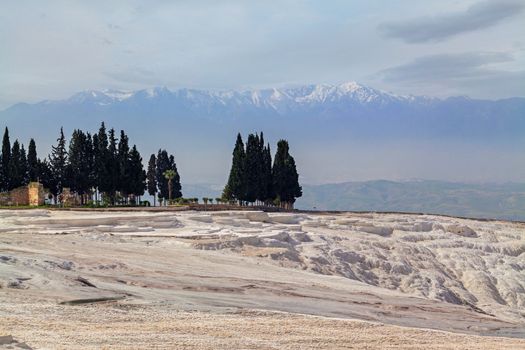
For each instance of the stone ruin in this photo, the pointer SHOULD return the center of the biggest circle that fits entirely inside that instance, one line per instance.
(68, 198)
(33, 195)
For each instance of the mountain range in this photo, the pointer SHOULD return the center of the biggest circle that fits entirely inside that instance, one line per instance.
(273, 101)
(349, 105)
(335, 131)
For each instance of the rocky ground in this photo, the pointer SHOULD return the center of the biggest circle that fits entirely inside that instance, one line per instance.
(256, 280)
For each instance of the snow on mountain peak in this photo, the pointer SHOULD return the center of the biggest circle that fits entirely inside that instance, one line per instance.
(86, 96)
(321, 93)
(156, 91)
(118, 95)
(281, 100)
(348, 87)
(277, 95)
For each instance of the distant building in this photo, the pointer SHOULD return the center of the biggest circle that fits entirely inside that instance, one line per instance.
(32, 194)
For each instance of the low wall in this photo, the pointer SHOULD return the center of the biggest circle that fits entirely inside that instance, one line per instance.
(32, 194)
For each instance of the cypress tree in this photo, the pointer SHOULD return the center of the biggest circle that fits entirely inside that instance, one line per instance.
(175, 182)
(252, 168)
(94, 168)
(4, 164)
(58, 164)
(163, 164)
(152, 180)
(261, 181)
(14, 167)
(32, 161)
(73, 162)
(24, 169)
(137, 175)
(285, 177)
(79, 164)
(124, 183)
(267, 179)
(235, 189)
(89, 159)
(296, 190)
(101, 157)
(112, 165)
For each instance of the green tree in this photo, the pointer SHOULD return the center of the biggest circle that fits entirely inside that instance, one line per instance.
(176, 187)
(266, 176)
(24, 169)
(4, 163)
(253, 168)
(58, 164)
(285, 176)
(89, 156)
(169, 175)
(101, 160)
(152, 180)
(112, 165)
(235, 189)
(15, 171)
(163, 164)
(124, 183)
(227, 195)
(80, 164)
(45, 173)
(32, 161)
(137, 175)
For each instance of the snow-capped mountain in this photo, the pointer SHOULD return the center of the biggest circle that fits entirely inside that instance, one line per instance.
(279, 101)
(322, 113)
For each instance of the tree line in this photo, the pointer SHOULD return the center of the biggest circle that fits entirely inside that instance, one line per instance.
(253, 178)
(92, 165)
(105, 168)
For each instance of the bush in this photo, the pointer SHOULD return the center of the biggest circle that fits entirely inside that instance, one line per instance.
(93, 204)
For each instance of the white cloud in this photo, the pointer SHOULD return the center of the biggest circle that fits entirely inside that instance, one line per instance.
(478, 16)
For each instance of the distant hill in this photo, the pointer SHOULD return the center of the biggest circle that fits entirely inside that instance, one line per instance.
(504, 201)
(202, 190)
(498, 201)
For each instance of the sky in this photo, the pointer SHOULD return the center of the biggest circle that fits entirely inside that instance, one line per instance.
(53, 49)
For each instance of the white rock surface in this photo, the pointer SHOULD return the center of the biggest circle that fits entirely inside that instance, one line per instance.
(416, 270)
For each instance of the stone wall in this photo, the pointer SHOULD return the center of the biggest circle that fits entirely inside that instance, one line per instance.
(32, 194)
(5, 198)
(68, 198)
(20, 196)
(36, 194)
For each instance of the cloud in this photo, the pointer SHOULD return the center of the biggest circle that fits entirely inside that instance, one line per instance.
(135, 75)
(478, 16)
(445, 66)
(473, 72)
